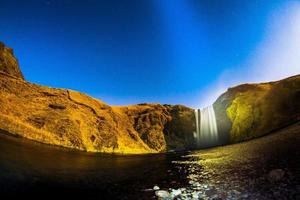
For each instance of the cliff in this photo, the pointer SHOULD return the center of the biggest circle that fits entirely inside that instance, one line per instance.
(8, 63)
(71, 119)
(253, 110)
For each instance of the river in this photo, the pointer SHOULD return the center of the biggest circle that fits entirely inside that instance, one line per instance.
(264, 168)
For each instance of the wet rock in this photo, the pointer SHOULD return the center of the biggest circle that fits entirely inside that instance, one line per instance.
(156, 187)
(276, 175)
(211, 192)
(175, 193)
(148, 190)
(195, 195)
(163, 194)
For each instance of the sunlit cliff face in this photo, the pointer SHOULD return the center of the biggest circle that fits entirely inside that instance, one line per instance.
(72, 119)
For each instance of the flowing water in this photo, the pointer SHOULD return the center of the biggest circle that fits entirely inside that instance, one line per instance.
(206, 127)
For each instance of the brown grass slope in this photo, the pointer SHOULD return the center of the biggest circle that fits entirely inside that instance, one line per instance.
(71, 119)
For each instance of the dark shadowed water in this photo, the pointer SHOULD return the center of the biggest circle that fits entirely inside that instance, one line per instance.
(31, 169)
(263, 169)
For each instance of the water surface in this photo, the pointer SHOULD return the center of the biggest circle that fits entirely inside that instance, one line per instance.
(264, 168)
(29, 169)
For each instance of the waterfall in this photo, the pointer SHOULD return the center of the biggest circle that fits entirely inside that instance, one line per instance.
(206, 127)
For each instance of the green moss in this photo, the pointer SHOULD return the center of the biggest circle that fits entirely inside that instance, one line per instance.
(262, 108)
(241, 115)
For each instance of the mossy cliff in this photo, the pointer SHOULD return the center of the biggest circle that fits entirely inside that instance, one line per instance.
(253, 110)
(71, 119)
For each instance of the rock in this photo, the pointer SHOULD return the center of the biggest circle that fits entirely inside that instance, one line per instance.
(57, 106)
(210, 192)
(175, 193)
(158, 125)
(180, 129)
(148, 190)
(245, 196)
(8, 63)
(236, 193)
(156, 187)
(195, 195)
(276, 175)
(162, 194)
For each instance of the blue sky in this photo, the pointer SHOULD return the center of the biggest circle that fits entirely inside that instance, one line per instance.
(166, 51)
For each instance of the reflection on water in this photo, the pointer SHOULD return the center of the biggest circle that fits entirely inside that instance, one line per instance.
(265, 168)
(28, 167)
(250, 170)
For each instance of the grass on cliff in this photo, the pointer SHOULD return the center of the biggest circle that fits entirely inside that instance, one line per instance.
(264, 108)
